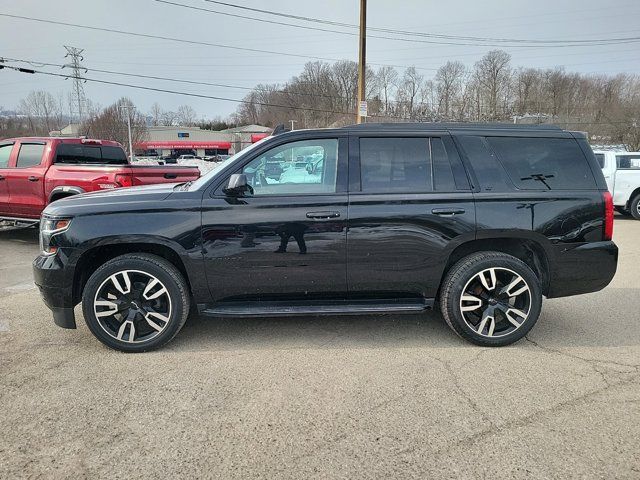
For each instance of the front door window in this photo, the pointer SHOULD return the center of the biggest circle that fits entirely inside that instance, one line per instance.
(305, 167)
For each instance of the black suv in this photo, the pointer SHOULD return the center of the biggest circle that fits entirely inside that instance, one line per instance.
(479, 220)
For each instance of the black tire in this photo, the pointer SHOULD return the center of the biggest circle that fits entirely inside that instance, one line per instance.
(634, 207)
(623, 211)
(172, 302)
(501, 330)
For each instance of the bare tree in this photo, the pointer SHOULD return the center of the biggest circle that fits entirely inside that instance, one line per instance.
(387, 78)
(44, 112)
(111, 124)
(493, 73)
(409, 90)
(156, 114)
(186, 116)
(448, 84)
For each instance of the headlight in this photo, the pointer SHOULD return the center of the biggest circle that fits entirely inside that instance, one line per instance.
(49, 227)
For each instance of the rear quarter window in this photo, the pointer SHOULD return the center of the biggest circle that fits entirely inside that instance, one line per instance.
(600, 159)
(628, 162)
(543, 163)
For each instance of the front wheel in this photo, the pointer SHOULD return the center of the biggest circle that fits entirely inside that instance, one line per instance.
(136, 302)
(634, 208)
(491, 299)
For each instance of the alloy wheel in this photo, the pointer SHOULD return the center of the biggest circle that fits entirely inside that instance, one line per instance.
(495, 302)
(132, 306)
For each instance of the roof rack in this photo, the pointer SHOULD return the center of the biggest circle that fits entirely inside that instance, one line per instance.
(452, 126)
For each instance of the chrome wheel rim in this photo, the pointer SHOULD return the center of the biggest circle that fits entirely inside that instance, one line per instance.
(495, 302)
(132, 306)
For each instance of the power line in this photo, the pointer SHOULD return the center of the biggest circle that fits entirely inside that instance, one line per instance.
(161, 37)
(396, 31)
(36, 63)
(174, 92)
(181, 40)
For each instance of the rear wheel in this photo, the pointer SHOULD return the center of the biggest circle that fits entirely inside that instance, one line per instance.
(136, 302)
(635, 207)
(491, 299)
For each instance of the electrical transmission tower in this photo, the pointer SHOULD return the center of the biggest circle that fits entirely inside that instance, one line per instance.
(77, 95)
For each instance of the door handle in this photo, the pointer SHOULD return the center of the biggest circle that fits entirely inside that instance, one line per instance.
(323, 215)
(447, 212)
(1, 177)
(170, 175)
(33, 178)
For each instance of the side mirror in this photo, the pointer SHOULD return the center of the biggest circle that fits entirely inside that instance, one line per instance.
(237, 185)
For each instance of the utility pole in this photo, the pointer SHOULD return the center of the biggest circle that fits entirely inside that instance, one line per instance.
(362, 68)
(77, 95)
(127, 107)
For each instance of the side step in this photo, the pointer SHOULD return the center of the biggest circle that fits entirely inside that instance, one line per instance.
(11, 223)
(280, 309)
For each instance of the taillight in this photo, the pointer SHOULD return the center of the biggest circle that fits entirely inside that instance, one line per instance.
(608, 215)
(124, 180)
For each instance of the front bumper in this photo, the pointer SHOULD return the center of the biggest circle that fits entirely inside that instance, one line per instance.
(585, 268)
(54, 278)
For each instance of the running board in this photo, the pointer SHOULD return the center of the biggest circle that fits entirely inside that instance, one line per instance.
(26, 222)
(280, 309)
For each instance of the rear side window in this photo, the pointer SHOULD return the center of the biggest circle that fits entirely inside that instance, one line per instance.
(600, 159)
(489, 174)
(5, 153)
(544, 163)
(405, 164)
(395, 165)
(76, 153)
(30, 155)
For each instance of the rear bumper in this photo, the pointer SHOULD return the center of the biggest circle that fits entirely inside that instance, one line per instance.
(56, 287)
(582, 269)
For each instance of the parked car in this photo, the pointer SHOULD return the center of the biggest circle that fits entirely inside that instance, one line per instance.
(189, 157)
(35, 171)
(622, 172)
(480, 220)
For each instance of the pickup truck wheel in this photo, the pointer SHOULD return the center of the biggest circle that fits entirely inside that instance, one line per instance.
(635, 207)
(491, 299)
(136, 302)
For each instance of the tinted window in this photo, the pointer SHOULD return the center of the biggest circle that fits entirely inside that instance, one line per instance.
(628, 161)
(76, 153)
(30, 154)
(5, 153)
(543, 163)
(395, 165)
(485, 166)
(308, 166)
(443, 180)
(600, 159)
(114, 155)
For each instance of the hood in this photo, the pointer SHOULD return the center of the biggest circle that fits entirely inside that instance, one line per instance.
(109, 199)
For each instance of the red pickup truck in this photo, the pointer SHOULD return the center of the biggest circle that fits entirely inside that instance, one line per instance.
(35, 171)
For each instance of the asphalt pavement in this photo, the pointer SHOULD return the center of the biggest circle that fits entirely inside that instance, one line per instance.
(338, 397)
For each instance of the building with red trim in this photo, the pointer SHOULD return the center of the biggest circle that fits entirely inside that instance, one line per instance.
(175, 141)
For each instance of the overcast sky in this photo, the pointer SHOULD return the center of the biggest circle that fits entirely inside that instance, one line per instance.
(539, 19)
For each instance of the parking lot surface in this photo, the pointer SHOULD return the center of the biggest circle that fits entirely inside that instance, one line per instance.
(338, 397)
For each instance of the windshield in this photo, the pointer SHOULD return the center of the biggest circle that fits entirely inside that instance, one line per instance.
(209, 176)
